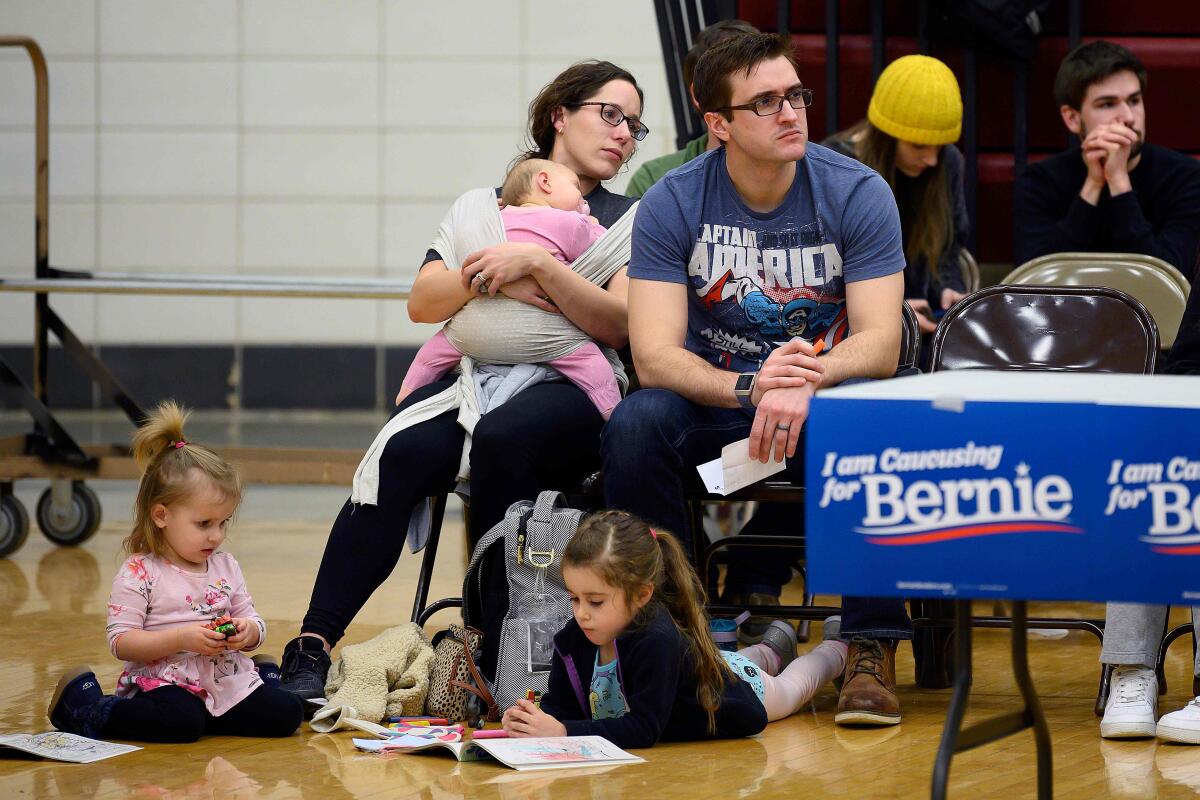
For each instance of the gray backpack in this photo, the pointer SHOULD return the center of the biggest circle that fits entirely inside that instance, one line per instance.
(533, 537)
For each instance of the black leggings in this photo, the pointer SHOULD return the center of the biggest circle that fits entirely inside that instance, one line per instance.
(173, 715)
(543, 437)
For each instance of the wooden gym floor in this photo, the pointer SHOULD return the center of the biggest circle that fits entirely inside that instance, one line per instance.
(52, 612)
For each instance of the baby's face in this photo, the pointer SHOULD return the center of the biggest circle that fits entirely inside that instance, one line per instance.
(564, 192)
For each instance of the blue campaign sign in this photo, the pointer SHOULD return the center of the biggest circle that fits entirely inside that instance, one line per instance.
(1024, 500)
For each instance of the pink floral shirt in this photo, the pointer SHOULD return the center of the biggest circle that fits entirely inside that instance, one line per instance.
(152, 594)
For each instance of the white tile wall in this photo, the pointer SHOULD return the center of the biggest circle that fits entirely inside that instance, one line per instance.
(165, 164)
(473, 94)
(72, 91)
(168, 27)
(312, 27)
(77, 310)
(73, 235)
(60, 27)
(307, 237)
(573, 31)
(311, 165)
(480, 158)
(155, 93)
(157, 236)
(281, 136)
(71, 247)
(72, 160)
(143, 320)
(408, 230)
(302, 321)
(304, 94)
(436, 30)
(16, 241)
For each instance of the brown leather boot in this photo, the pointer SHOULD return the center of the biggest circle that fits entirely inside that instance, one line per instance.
(869, 694)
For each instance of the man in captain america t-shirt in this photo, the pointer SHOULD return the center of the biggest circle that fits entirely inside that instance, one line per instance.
(761, 271)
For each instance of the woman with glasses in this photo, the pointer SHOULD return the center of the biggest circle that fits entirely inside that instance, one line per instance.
(913, 119)
(587, 119)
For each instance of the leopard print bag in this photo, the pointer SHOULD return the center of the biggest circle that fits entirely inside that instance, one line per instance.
(455, 678)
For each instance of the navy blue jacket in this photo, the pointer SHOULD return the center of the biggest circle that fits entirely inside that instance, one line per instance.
(1160, 217)
(658, 681)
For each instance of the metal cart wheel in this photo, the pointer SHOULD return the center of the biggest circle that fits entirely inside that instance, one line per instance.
(68, 519)
(14, 522)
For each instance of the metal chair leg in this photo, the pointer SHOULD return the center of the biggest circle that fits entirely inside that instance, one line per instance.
(803, 627)
(1106, 672)
(428, 557)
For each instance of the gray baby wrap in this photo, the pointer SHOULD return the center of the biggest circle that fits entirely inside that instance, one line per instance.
(500, 330)
(494, 331)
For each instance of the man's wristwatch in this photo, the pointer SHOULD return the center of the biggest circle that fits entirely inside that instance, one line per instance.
(743, 390)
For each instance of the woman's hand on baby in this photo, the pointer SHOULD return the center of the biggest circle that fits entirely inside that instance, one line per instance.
(526, 719)
(246, 637)
(491, 268)
(198, 638)
(527, 290)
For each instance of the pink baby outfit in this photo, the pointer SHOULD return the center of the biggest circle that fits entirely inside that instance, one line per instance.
(566, 234)
(152, 594)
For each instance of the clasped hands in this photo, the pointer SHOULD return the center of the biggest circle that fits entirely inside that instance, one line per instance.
(783, 389)
(1106, 150)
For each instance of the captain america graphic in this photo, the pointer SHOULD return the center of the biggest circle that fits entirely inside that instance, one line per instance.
(756, 298)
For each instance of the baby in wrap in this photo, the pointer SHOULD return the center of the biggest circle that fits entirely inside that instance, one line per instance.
(543, 205)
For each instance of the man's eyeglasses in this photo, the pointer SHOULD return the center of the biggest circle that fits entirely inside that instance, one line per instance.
(615, 116)
(773, 104)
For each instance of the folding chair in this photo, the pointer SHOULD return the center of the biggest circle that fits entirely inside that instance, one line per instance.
(1154, 282)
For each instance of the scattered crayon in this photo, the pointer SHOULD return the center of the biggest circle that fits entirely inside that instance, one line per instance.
(495, 733)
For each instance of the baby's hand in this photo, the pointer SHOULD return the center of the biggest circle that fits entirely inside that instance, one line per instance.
(246, 637)
(198, 638)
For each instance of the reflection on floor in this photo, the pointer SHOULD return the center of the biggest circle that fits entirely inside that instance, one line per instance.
(52, 611)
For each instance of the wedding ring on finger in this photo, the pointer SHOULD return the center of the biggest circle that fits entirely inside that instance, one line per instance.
(783, 427)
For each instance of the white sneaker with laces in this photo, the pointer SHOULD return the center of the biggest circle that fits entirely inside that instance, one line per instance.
(1132, 704)
(1182, 725)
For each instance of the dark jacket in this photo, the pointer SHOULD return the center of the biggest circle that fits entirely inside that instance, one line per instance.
(1159, 217)
(920, 283)
(1185, 353)
(659, 683)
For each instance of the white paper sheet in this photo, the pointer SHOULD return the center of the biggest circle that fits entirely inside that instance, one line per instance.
(735, 469)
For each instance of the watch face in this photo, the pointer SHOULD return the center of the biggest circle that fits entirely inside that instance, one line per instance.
(744, 382)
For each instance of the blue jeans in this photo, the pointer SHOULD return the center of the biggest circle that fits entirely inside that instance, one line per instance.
(650, 449)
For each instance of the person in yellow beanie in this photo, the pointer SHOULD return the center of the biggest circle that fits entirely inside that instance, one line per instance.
(913, 120)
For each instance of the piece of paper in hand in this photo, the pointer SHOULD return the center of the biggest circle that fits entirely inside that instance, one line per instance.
(735, 469)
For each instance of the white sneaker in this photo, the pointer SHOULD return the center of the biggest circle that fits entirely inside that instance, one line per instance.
(1182, 725)
(1132, 701)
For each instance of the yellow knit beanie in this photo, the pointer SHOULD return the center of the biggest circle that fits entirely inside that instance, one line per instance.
(916, 99)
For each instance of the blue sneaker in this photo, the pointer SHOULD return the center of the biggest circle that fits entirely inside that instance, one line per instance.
(268, 669)
(78, 705)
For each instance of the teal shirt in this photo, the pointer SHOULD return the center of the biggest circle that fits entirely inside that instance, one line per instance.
(606, 698)
(649, 173)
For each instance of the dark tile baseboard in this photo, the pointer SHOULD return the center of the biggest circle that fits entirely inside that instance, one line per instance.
(224, 377)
